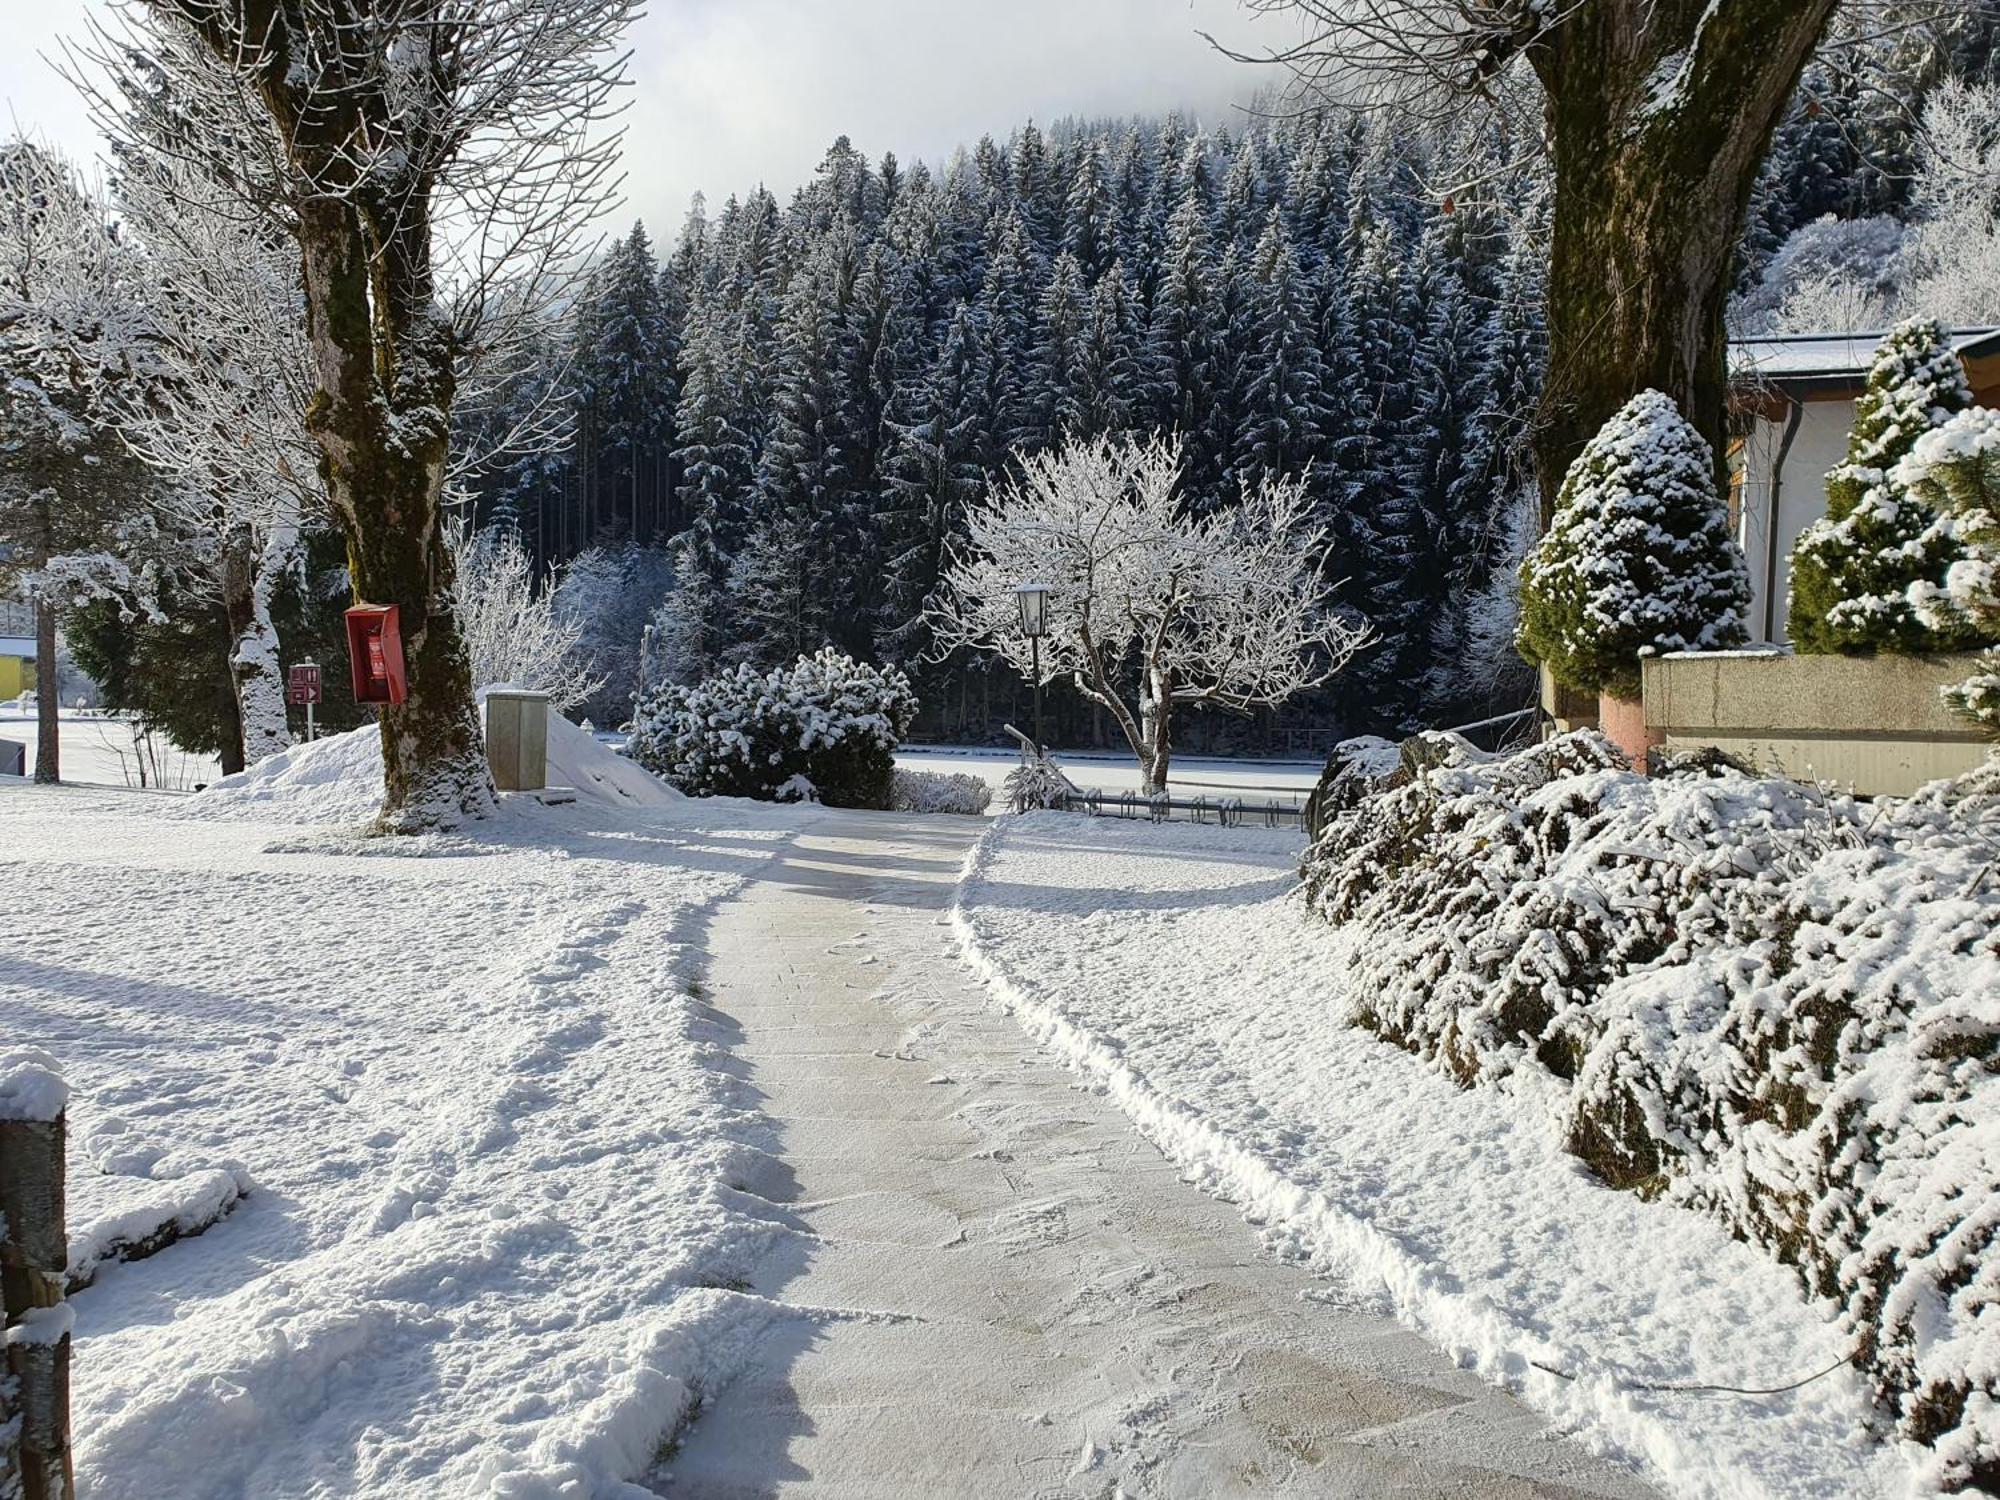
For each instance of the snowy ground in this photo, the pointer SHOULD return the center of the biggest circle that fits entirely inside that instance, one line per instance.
(487, 1132)
(100, 750)
(1285, 781)
(1173, 967)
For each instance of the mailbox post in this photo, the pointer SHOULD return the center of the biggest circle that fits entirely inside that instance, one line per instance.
(303, 686)
(375, 654)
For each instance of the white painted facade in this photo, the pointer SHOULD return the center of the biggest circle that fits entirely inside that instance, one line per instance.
(1796, 394)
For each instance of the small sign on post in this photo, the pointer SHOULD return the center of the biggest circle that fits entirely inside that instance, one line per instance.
(303, 686)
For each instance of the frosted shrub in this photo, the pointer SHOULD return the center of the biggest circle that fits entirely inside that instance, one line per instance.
(1758, 1001)
(1638, 560)
(1852, 570)
(939, 792)
(831, 720)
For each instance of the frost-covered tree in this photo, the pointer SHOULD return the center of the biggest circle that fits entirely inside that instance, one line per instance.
(1852, 570)
(607, 595)
(688, 633)
(1638, 560)
(71, 495)
(420, 153)
(1151, 609)
(514, 634)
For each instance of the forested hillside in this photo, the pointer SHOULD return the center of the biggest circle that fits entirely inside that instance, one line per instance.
(796, 402)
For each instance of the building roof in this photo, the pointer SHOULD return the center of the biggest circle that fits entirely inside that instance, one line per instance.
(1827, 366)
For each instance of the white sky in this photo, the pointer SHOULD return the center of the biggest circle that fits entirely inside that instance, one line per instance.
(728, 93)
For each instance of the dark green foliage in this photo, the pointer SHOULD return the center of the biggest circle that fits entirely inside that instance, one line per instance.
(1852, 570)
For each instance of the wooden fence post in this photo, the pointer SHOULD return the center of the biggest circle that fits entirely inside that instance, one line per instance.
(34, 1252)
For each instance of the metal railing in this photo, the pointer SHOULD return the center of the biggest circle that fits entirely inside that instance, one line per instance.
(1226, 812)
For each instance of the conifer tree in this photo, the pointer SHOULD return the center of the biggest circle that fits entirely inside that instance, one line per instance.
(1853, 569)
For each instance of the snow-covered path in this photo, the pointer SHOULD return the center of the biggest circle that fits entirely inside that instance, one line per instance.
(1035, 1305)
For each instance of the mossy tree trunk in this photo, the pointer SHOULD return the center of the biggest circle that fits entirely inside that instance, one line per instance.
(381, 419)
(1660, 113)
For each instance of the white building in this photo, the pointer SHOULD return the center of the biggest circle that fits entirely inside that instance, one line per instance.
(1792, 399)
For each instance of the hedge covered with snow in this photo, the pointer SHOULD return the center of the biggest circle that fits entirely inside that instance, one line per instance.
(827, 725)
(1764, 1003)
(939, 792)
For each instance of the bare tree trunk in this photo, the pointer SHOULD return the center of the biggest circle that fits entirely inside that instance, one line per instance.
(1660, 116)
(1156, 712)
(48, 697)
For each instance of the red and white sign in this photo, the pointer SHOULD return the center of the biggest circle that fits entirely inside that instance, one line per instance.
(302, 683)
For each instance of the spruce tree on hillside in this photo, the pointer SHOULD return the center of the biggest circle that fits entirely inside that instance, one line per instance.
(1110, 392)
(1284, 416)
(623, 376)
(934, 474)
(1852, 570)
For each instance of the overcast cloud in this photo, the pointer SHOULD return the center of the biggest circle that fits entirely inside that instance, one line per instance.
(729, 93)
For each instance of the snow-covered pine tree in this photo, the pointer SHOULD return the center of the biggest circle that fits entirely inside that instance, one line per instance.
(715, 457)
(1638, 560)
(934, 475)
(1282, 423)
(689, 629)
(1110, 389)
(1055, 393)
(1853, 569)
(623, 375)
(1090, 230)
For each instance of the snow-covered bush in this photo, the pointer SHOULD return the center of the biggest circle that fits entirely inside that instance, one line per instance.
(1829, 274)
(1757, 1000)
(1955, 470)
(1038, 784)
(1853, 570)
(826, 722)
(513, 632)
(1638, 560)
(939, 792)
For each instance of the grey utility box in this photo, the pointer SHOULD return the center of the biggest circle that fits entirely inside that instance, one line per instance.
(13, 758)
(517, 739)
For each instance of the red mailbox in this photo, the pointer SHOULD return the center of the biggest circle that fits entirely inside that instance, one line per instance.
(375, 653)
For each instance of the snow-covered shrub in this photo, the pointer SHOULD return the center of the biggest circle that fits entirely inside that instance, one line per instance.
(1758, 1001)
(1038, 784)
(939, 792)
(826, 722)
(1955, 469)
(1638, 560)
(513, 632)
(1853, 569)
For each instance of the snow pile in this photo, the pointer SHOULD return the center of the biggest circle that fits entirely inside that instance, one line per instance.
(1756, 1000)
(339, 779)
(939, 792)
(113, 1217)
(31, 1086)
(1175, 968)
(831, 720)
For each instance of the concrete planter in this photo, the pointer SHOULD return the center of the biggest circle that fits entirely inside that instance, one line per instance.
(1871, 723)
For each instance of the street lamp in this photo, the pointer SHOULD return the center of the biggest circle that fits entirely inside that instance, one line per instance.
(1033, 602)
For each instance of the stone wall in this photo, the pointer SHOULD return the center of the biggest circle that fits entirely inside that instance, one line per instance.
(1872, 723)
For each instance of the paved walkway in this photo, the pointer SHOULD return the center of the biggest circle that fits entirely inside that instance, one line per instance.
(1051, 1312)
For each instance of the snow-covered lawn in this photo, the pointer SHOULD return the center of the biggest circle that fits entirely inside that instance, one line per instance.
(100, 750)
(492, 1212)
(1174, 966)
(1285, 781)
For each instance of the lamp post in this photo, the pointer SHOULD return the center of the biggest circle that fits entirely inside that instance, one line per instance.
(1033, 601)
